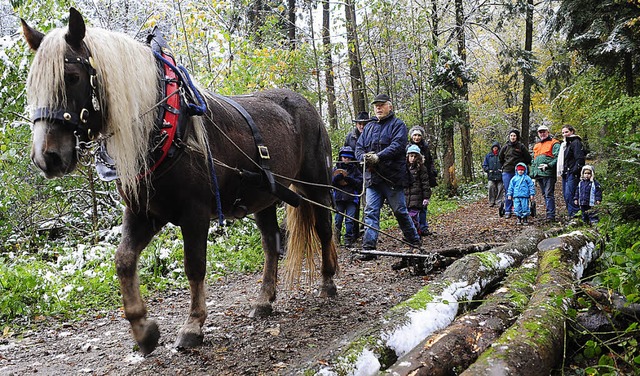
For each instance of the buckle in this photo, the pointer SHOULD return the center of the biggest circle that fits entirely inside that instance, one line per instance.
(264, 152)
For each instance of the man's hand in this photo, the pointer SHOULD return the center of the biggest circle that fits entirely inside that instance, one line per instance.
(371, 158)
(543, 166)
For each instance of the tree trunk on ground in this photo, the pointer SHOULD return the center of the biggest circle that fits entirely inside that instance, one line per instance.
(436, 305)
(613, 301)
(534, 344)
(457, 346)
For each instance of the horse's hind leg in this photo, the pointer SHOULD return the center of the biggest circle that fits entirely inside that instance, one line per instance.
(194, 232)
(267, 222)
(324, 230)
(137, 232)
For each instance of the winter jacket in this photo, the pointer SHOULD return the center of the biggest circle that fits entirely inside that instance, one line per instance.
(425, 150)
(589, 191)
(420, 188)
(387, 138)
(521, 185)
(352, 183)
(573, 156)
(352, 138)
(545, 152)
(513, 153)
(491, 164)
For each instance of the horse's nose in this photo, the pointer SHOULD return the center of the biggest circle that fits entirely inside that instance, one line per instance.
(50, 163)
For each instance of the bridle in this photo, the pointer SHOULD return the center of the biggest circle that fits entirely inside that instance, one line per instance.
(84, 132)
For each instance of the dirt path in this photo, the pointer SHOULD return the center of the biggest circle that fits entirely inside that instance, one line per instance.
(302, 334)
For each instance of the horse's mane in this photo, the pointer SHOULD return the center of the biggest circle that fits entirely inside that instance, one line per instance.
(128, 84)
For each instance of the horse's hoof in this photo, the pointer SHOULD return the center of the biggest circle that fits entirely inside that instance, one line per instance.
(149, 339)
(328, 290)
(261, 310)
(189, 339)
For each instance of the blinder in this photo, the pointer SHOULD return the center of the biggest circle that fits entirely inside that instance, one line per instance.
(77, 121)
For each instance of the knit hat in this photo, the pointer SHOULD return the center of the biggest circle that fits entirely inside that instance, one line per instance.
(413, 149)
(416, 130)
(347, 151)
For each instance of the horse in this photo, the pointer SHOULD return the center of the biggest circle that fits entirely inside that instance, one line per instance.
(93, 88)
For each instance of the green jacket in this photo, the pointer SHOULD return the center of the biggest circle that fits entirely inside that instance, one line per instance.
(545, 152)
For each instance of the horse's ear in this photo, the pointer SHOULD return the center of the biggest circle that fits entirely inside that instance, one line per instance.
(31, 35)
(76, 32)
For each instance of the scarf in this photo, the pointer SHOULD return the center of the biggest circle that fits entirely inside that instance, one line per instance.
(560, 163)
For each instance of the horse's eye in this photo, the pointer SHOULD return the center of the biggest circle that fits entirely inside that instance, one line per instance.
(71, 78)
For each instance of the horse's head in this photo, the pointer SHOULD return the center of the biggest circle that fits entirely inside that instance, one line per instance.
(63, 94)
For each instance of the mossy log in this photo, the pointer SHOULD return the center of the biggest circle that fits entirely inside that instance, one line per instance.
(534, 344)
(433, 307)
(454, 348)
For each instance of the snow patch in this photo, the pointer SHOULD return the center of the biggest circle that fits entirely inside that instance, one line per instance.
(586, 254)
(367, 364)
(436, 315)
(134, 358)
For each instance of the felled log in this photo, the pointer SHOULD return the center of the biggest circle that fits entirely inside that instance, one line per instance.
(612, 301)
(533, 345)
(454, 348)
(433, 307)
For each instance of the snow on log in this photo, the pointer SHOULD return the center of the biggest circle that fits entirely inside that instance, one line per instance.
(432, 308)
(454, 348)
(533, 345)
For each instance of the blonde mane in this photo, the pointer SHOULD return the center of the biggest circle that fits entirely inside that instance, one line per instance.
(128, 84)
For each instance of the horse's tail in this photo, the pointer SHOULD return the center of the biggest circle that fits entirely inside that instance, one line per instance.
(303, 243)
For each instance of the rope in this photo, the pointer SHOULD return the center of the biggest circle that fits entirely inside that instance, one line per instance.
(196, 108)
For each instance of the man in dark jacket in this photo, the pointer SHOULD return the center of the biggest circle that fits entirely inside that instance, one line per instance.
(573, 161)
(382, 147)
(360, 121)
(492, 166)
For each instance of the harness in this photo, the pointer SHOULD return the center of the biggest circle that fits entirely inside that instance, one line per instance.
(79, 122)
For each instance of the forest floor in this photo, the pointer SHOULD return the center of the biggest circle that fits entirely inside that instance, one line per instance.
(304, 333)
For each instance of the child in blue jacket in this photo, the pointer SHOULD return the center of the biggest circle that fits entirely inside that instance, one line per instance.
(347, 178)
(521, 190)
(588, 194)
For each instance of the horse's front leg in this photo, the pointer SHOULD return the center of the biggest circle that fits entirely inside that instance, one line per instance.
(267, 222)
(194, 233)
(137, 232)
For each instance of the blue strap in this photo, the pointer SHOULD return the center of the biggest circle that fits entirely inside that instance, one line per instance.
(196, 109)
(216, 188)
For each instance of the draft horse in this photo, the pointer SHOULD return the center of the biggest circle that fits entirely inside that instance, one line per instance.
(91, 87)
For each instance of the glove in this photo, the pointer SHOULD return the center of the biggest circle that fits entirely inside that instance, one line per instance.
(425, 202)
(371, 158)
(543, 166)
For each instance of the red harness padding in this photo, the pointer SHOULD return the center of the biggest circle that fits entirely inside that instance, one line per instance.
(171, 113)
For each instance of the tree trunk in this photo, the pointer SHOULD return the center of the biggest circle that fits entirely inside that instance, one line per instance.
(328, 66)
(358, 91)
(527, 75)
(291, 25)
(459, 344)
(449, 119)
(317, 61)
(534, 344)
(464, 118)
(436, 305)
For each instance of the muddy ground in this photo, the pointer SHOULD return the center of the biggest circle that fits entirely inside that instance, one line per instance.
(304, 333)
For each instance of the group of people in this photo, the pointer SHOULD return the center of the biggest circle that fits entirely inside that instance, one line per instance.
(398, 169)
(511, 181)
